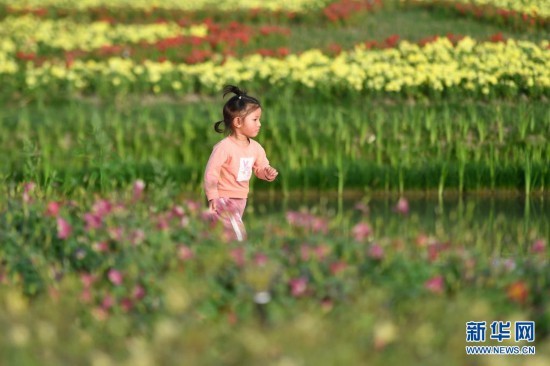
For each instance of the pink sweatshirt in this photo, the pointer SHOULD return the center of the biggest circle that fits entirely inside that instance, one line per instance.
(230, 167)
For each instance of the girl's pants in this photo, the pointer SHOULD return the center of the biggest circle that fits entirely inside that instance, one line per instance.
(230, 212)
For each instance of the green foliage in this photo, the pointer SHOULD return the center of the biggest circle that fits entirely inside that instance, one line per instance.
(328, 146)
(154, 277)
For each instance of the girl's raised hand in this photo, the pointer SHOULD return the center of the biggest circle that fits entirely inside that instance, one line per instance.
(271, 173)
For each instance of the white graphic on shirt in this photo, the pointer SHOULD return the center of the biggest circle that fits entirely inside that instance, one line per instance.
(245, 169)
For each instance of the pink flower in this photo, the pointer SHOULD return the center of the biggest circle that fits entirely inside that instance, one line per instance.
(86, 296)
(435, 284)
(93, 221)
(298, 286)
(115, 277)
(107, 302)
(402, 206)
(178, 211)
(101, 246)
(375, 251)
(63, 228)
(87, 279)
(27, 190)
(139, 292)
(361, 231)
(322, 251)
(184, 222)
(115, 233)
(185, 253)
(163, 222)
(307, 221)
(100, 314)
(539, 246)
(238, 256)
(422, 240)
(435, 249)
(102, 208)
(319, 225)
(139, 186)
(52, 209)
(337, 267)
(260, 259)
(293, 217)
(137, 236)
(360, 206)
(193, 206)
(126, 304)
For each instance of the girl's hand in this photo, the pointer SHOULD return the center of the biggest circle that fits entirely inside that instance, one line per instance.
(212, 206)
(271, 173)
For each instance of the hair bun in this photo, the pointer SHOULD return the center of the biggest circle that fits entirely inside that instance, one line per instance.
(233, 89)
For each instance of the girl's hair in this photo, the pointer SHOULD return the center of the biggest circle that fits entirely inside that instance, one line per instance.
(239, 105)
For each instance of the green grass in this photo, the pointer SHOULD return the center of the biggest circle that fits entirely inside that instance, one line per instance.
(347, 143)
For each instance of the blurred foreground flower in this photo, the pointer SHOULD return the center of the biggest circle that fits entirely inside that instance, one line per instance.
(435, 284)
(93, 221)
(53, 209)
(384, 334)
(361, 231)
(139, 186)
(185, 253)
(139, 292)
(518, 292)
(539, 246)
(115, 277)
(376, 252)
(360, 206)
(27, 190)
(102, 207)
(260, 259)
(402, 206)
(63, 228)
(237, 254)
(298, 286)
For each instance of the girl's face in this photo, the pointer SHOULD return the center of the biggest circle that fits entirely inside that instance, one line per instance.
(249, 125)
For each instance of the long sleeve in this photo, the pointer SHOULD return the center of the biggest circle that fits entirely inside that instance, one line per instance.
(260, 164)
(212, 172)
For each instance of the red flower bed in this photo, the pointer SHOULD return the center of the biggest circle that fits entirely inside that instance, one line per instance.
(344, 9)
(233, 39)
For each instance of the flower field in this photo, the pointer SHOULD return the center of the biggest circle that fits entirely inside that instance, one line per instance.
(140, 277)
(411, 140)
(512, 12)
(100, 57)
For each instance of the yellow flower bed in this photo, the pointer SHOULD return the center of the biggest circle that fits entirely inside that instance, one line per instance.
(8, 65)
(29, 31)
(504, 68)
(532, 7)
(289, 5)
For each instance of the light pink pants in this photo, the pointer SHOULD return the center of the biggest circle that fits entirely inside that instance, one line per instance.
(232, 218)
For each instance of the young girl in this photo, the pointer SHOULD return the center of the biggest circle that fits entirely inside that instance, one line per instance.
(234, 158)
